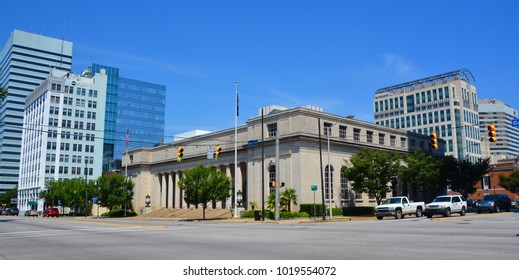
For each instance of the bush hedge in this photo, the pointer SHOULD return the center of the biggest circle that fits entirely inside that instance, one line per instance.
(282, 215)
(119, 213)
(309, 208)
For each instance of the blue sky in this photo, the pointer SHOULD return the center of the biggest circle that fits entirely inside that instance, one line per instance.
(333, 54)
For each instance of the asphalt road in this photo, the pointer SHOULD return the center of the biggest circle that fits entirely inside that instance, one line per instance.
(473, 237)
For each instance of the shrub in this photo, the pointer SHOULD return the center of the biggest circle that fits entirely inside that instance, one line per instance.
(282, 215)
(119, 213)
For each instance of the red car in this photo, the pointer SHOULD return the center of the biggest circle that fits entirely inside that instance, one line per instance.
(51, 212)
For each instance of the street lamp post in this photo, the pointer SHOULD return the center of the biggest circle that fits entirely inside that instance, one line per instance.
(240, 198)
(147, 200)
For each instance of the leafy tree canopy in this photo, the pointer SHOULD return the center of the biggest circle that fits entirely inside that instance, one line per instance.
(202, 185)
(372, 171)
(421, 171)
(510, 182)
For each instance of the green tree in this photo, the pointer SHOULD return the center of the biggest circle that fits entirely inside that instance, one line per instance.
(202, 185)
(271, 201)
(371, 171)
(3, 91)
(5, 198)
(421, 171)
(71, 193)
(463, 174)
(510, 182)
(288, 196)
(114, 191)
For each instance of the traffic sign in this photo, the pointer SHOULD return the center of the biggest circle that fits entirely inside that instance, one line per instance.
(210, 154)
(95, 199)
(252, 142)
(314, 188)
(515, 123)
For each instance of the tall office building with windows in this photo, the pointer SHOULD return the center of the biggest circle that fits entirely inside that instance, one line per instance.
(141, 109)
(62, 133)
(134, 107)
(501, 115)
(445, 103)
(25, 62)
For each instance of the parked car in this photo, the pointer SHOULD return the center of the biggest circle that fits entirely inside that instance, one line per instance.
(2, 211)
(51, 212)
(398, 207)
(12, 211)
(31, 213)
(494, 203)
(446, 205)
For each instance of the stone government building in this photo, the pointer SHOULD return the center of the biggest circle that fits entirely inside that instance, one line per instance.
(156, 171)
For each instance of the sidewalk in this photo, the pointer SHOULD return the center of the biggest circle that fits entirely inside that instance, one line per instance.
(251, 220)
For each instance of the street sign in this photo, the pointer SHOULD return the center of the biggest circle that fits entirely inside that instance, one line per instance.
(210, 154)
(314, 188)
(95, 199)
(252, 142)
(515, 123)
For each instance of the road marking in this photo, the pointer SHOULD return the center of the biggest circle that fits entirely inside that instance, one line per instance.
(113, 224)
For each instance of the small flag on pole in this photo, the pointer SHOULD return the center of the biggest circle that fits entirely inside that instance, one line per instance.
(127, 138)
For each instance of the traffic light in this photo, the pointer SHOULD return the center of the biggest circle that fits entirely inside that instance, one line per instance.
(180, 153)
(217, 152)
(281, 184)
(434, 141)
(273, 184)
(492, 137)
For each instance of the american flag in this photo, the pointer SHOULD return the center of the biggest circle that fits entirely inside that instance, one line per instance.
(127, 137)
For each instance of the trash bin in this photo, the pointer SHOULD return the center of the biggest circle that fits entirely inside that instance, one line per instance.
(257, 215)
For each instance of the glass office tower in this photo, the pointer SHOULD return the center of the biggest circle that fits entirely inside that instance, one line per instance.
(25, 62)
(132, 106)
(110, 114)
(140, 111)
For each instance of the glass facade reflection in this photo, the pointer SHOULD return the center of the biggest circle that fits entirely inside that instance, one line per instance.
(134, 106)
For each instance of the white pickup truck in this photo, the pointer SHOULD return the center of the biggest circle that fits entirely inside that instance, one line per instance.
(398, 207)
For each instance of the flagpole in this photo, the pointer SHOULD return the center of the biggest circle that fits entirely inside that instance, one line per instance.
(236, 155)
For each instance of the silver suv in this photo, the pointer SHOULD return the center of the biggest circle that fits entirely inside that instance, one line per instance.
(446, 205)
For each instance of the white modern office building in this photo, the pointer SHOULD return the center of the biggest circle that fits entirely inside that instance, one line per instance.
(501, 115)
(445, 103)
(63, 132)
(25, 62)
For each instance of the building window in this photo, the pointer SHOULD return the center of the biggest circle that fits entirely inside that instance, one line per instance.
(344, 187)
(392, 140)
(356, 134)
(358, 196)
(328, 182)
(381, 137)
(327, 129)
(403, 142)
(272, 129)
(342, 132)
(369, 135)
(272, 178)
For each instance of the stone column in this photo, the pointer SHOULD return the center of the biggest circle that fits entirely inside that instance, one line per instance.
(176, 190)
(163, 187)
(171, 184)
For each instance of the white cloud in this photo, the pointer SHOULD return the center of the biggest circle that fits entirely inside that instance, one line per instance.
(397, 64)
